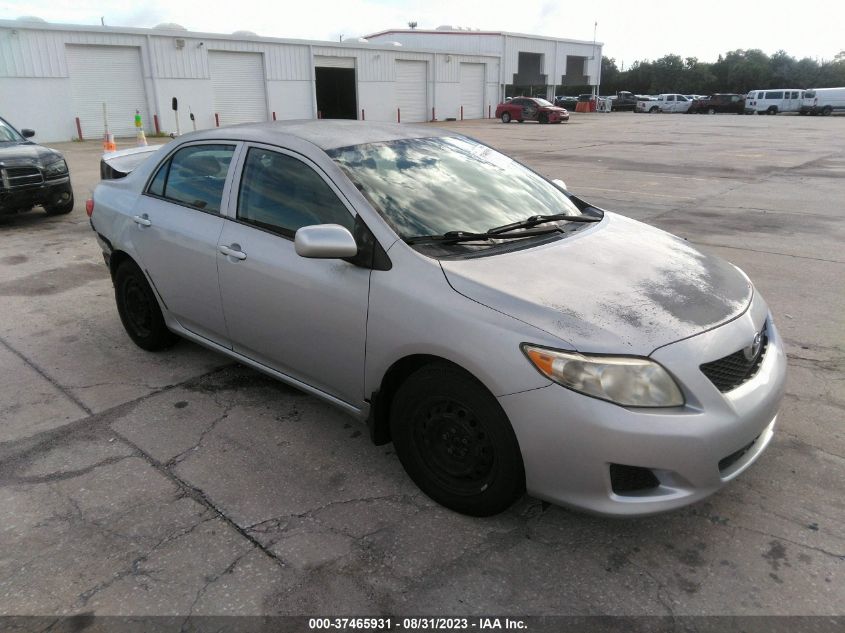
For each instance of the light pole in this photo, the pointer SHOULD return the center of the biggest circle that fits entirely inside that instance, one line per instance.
(598, 68)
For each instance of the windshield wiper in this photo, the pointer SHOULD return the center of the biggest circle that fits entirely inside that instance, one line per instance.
(453, 237)
(534, 220)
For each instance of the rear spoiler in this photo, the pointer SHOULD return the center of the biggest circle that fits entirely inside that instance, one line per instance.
(119, 164)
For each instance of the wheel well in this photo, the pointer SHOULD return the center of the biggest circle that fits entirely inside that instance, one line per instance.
(381, 400)
(116, 259)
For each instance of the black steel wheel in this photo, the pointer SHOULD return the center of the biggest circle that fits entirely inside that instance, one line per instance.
(455, 441)
(139, 310)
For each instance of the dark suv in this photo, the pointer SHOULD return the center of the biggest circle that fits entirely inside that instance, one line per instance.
(31, 174)
(722, 102)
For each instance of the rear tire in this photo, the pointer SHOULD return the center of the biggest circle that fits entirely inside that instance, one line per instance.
(60, 209)
(455, 441)
(139, 310)
(506, 117)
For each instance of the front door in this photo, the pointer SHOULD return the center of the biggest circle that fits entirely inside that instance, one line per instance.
(306, 318)
(177, 226)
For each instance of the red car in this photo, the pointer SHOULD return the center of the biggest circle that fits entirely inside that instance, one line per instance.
(531, 109)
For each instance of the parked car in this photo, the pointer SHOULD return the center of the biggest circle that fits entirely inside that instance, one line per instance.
(502, 332)
(824, 101)
(720, 102)
(531, 109)
(773, 101)
(31, 174)
(567, 103)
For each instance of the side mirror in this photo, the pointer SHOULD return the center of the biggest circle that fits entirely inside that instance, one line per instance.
(560, 183)
(27, 133)
(325, 241)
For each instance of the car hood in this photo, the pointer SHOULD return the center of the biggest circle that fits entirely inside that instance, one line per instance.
(26, 154)
(618, 287)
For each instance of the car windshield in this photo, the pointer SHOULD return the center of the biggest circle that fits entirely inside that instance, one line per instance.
(8, 134)
(543, 102)
(430, 186)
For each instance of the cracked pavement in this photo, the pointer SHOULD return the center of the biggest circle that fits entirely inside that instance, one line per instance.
(182, 484)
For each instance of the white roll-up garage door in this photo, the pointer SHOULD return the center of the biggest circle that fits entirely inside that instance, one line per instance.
(411, 79)
(472, 90)
(110, 74)
(237, 80)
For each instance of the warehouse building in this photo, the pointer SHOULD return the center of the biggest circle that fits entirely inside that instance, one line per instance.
(55, 78)
(529, 64)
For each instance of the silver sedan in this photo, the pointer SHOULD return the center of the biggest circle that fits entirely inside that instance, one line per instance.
(504, 334)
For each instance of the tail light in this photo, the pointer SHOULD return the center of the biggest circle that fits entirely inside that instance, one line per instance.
(89, 206)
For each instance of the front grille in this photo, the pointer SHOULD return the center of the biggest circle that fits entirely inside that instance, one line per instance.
(730, 372)
(12, 177)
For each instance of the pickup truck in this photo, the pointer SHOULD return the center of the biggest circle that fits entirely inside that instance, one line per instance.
(624, 101)
(670, 102)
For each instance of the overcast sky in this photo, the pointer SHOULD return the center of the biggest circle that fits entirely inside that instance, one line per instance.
(631, 30)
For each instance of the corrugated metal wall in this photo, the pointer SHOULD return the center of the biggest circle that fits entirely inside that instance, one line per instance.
(175, 64)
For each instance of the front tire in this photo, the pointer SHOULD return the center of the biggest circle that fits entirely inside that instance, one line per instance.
(653, 109)
(60, 209)
(827, 111)
(506, 117)
(711, 110)
(455, 441)
(139, 310)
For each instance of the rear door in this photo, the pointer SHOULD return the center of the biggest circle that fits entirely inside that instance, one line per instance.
(303, 317)
(177, 223)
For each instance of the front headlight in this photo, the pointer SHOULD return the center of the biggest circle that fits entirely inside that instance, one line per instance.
(59, 168)
(626, 380)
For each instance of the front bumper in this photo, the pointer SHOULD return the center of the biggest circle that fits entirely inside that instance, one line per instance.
(568, 440)
(50, 192)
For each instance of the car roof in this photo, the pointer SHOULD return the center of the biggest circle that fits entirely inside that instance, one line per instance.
(325, 134)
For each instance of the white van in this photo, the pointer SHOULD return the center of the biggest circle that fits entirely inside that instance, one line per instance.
(773, 101)
(823, 101)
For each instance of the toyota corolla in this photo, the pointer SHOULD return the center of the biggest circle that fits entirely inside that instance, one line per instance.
(503, 333)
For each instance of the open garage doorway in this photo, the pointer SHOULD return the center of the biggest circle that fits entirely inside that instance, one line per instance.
(336, 98)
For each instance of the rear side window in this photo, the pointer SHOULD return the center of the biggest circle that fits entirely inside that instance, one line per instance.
(282, 194)
(774, 95)
(194, 176)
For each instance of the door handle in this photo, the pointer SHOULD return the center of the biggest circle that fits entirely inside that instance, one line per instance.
(233, 250)
(142, 220)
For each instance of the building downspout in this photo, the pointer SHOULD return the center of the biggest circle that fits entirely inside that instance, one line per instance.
(152, 79)
(434, 88)
(313, 76)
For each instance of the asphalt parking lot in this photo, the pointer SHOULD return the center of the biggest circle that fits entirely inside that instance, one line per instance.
(179, 483)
